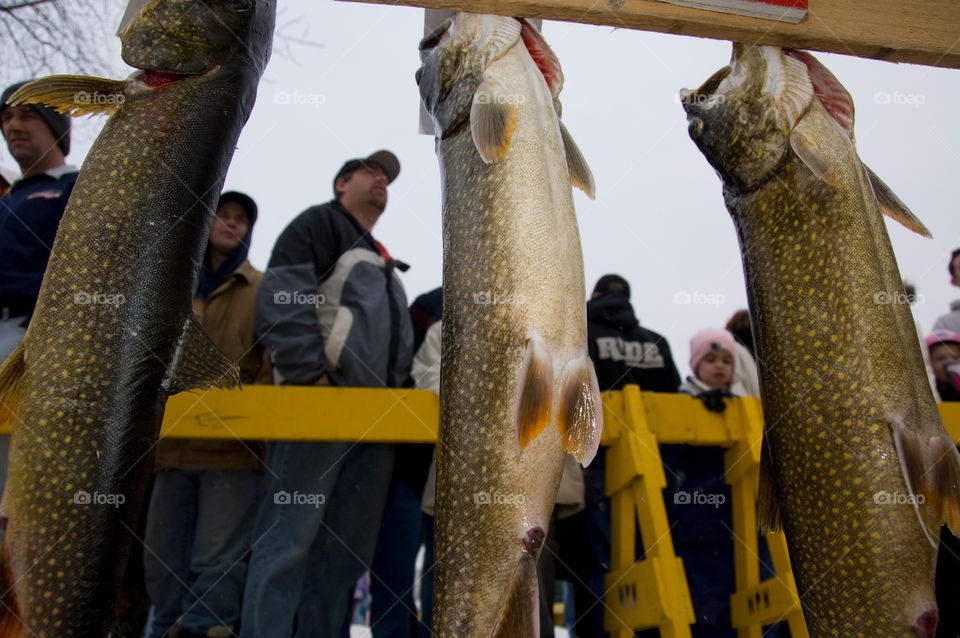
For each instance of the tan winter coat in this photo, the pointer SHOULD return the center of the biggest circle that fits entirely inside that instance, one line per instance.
(228, 315)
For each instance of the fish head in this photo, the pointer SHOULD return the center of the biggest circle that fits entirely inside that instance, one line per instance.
(742, 116)
(453, 60)
(190, 37)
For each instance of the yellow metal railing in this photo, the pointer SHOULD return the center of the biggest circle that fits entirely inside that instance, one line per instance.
(642, 594)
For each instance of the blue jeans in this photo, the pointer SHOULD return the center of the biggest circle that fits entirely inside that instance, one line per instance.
(315, 534)
(197, 536)
(391, 578)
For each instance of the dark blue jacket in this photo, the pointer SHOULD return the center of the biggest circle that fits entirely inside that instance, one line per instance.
(29, 217)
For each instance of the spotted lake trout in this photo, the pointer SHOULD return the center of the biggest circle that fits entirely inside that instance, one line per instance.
(113, 334)
(855, 463)
(517, 387)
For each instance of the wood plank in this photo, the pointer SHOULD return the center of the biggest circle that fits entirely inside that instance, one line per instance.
(926, 32)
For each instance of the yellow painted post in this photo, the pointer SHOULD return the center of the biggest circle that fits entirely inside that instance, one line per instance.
(652, 592)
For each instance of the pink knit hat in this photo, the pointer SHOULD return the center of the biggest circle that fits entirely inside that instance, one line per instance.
(710, 339)
(941, 336)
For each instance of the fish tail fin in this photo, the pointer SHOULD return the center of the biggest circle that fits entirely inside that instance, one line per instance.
(74, 95)
(535, 399)
(11, 372)
(580, 416)
(11, 626)
(520, 615)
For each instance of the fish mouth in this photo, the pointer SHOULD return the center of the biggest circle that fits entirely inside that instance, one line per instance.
(706, 97)
(152, 79)
(431, 42)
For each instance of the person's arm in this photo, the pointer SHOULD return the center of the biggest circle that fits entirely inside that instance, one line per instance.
(286, 318)
(426, 362)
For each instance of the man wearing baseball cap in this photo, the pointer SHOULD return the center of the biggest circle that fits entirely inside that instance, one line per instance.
(332, 311)
(38, 139)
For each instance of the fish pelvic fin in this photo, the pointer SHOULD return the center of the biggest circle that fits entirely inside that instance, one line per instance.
(580, 174)
(493, 119)
(944, 484)
(893, 207)
(74, 95)
(916, 468)
(199, 363)
(535, 399)
(11, 626)
(11, 372)
(520, 615)
(768, 510)
(580, 415)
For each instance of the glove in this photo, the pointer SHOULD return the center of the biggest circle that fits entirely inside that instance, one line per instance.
(713, 399)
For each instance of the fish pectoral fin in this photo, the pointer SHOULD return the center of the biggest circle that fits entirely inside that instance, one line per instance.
(580, 415)
(768, 509)
(520, 615)
(535, 395)
(74, 95)
(943, 490)
(893, 207)
(810, 154)
(199, 363)
(914, 464)
(493, 119)
(580, 174)
(11, 372)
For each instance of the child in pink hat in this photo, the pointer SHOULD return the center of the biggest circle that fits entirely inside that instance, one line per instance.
(713, 358)
(944, 348)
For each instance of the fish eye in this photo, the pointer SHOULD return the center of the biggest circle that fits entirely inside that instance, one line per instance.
(434, 38)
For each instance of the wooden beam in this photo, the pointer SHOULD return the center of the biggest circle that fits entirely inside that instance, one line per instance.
(925, 32)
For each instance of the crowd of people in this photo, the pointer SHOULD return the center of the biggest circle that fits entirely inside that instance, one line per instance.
(262, 541)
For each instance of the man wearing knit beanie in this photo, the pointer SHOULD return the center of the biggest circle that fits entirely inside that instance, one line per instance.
(38, 139)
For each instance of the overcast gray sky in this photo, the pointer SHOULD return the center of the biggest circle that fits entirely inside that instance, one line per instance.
(659, 218)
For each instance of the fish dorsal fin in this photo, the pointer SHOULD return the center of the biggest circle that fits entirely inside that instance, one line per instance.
(493, 119)
(789, 84)
(580, 415)
(810, 154)
(832, 95)
(11, 373)
(535, 395)
(198, 363)
(915, 466)
(520, 615)
(768, 510)
(74, 95)
(893, 207)
(580, 174)
(544, 57)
